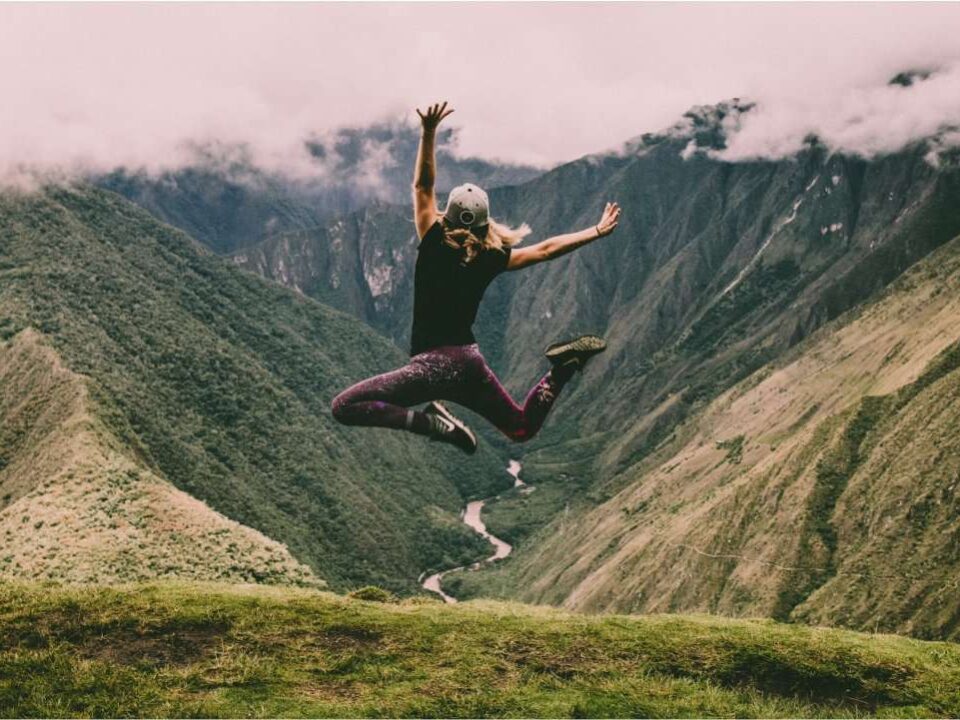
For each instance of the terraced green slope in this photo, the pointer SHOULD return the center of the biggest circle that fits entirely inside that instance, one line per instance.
(208, 651)
(220, 383)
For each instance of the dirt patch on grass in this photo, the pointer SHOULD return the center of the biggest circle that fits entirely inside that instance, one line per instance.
(346, 637)
(574, 658)
(152, 647)
(334, 690)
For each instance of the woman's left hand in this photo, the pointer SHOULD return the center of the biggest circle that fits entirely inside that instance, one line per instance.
(608, 222)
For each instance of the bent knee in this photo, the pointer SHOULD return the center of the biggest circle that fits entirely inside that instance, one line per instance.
(339, 408)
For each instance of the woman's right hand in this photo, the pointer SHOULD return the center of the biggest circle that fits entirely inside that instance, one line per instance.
(608, 222)
(435, 113)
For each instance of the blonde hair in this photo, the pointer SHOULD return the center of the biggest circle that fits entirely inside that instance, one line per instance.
(496, 237)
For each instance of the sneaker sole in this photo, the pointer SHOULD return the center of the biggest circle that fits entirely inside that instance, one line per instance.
(443, 412)
(581, 344)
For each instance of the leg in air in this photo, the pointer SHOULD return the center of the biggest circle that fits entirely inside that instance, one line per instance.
(485, 395)
(386, 400)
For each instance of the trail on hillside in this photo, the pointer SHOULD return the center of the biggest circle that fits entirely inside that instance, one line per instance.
(471, 517)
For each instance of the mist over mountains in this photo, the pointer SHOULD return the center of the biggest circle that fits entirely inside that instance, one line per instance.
(228, 202)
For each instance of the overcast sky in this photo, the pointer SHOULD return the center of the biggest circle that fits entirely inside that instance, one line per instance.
(88, 85)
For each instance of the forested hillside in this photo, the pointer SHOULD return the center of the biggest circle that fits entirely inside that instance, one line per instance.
(219, 383)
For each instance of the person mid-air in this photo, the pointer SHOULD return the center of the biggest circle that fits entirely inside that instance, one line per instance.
(460, 252)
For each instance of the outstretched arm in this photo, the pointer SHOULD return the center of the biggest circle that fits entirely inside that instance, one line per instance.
(558, 245)
(425, 172)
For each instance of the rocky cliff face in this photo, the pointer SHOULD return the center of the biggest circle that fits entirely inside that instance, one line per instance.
(361, 263)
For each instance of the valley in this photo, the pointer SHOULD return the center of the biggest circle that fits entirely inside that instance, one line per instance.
(779, 344)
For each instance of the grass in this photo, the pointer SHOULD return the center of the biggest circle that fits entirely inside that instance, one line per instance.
(208, 650)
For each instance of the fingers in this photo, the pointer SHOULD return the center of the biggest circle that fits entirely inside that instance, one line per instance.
(434, 115)
(610, 218)
(436, 111)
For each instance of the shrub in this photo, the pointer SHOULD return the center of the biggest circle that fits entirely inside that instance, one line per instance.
(372, 593)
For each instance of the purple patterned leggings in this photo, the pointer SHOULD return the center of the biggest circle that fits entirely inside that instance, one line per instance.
(457, 373)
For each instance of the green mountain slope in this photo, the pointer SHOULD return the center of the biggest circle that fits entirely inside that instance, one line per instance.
(822, 488)
(220, 383)
(187, 651)
(79, 507)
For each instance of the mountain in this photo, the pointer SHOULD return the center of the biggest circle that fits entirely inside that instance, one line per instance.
(228, 203)
(718, 274)
(716, 268)
(224, 208)
(147, 380)
(214, 651)
(360, 263)
(822, 488)
(380, 158)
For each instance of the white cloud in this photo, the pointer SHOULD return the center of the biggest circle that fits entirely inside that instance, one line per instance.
(96, 86)
(863, 120)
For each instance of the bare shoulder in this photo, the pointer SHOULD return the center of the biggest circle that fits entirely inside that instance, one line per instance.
(425, 225)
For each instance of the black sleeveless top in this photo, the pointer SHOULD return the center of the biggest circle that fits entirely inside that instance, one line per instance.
(447, 291)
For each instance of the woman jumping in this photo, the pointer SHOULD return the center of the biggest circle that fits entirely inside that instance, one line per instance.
(460, 252)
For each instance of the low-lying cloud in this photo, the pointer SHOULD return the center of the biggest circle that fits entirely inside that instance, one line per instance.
(866, 121)
(88, 88)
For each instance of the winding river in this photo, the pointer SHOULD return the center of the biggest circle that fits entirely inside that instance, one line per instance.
(471, 516)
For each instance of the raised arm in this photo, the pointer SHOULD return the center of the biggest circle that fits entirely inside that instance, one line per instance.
(425, 172)
(558, 245)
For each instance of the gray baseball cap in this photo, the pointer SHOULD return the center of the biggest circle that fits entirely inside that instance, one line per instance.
(467, 206)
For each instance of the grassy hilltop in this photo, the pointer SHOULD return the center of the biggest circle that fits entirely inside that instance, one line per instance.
(205, 650)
